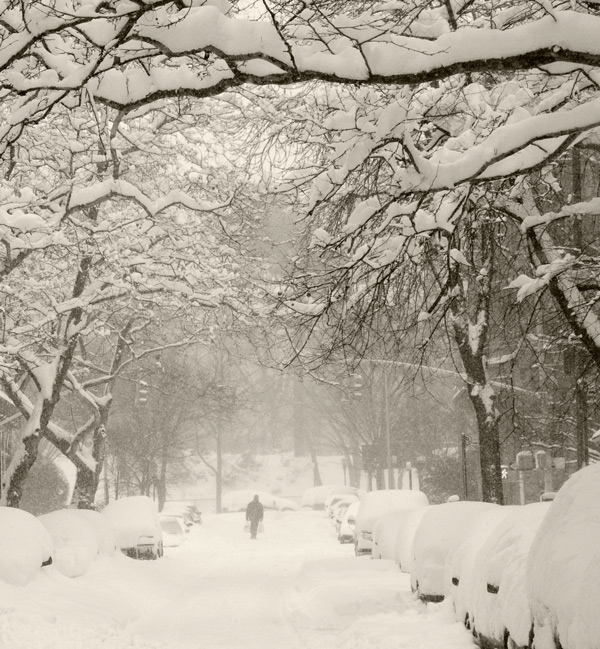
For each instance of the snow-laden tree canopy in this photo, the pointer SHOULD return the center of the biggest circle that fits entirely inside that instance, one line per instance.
(128, 53)
(423, 124)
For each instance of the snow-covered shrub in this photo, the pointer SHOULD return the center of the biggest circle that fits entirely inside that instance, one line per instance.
(563, 568)
(441, 530)
(49, 485)
(498, 599)
(441, 476)
(376, 504)
(137, 526)
(25, 546)
(406, 536)
(75, 542)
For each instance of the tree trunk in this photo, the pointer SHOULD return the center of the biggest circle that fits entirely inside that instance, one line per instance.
(161, 483)
(470, 322)
(14, 479)
(482, 398)
(317, 482)
(86, 482)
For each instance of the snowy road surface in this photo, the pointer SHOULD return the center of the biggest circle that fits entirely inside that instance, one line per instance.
(293, 588)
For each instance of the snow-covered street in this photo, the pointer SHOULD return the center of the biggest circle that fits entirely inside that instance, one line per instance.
(293, 587)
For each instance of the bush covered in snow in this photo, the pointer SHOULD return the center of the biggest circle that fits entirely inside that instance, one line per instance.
(49, 485)
(563, 569)
(25, 546)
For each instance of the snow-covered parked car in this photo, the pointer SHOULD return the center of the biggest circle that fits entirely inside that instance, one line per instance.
(376, 504)
(174, 530)
(315, 497)
(185, 510)
(336, 500)
(441, 530)
(405, 537)
(348, 523)
(493, 600)
(339, 509)
(25, 546)
(79, 536)
(386, 531)
(136, 523)
(563, 567)
(461, 562)
(237, 501)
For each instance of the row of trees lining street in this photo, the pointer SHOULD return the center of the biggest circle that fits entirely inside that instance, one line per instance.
(438, 161)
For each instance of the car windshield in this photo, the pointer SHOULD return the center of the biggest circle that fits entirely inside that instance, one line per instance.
(170, 526)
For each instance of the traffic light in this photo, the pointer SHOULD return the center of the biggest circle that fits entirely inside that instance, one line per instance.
(142, 398)
(357, 384)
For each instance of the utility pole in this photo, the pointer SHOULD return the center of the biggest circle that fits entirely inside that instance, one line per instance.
(219, 436)
(219, 476)
(581, 399)
(388, 444)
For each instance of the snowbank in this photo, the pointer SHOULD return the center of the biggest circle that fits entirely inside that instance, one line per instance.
(499, 595)
(106, 534)
(25, 544)
(76, 543)
(237, 501)
(563, 569)
(406, 536)
(441, 530)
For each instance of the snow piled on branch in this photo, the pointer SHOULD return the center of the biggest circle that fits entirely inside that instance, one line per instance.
(98, 192)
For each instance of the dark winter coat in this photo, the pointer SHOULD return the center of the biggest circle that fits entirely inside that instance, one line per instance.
(254, 511)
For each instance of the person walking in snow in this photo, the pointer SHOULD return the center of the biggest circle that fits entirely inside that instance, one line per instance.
(254, 515)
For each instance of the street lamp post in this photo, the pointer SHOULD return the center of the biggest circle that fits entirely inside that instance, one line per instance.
(464, 440)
